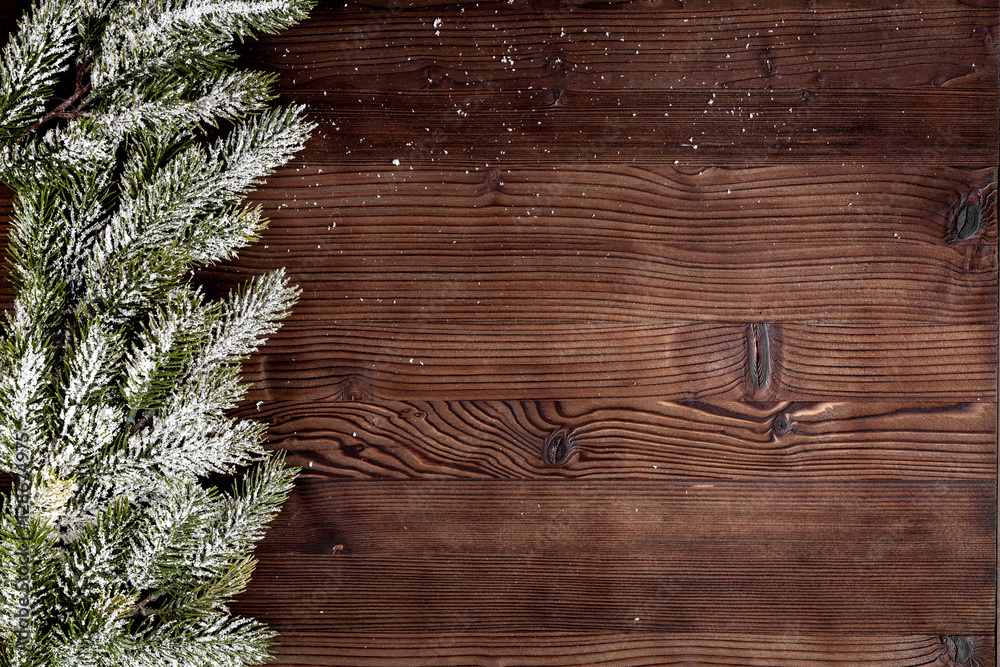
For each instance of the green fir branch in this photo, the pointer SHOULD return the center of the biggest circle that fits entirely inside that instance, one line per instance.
(32, 62)
(117, 374)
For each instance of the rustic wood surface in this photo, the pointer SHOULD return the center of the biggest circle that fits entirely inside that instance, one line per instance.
(645, 82)
(629, 244)
(635, 439)
(537, 649)
(632, 333)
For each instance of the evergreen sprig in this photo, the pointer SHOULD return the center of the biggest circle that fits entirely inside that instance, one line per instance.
(131, 141)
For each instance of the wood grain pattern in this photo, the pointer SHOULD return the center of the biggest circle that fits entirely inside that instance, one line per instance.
(496, 46)
(834, 360)
(637, 439)
(701, 523)
(495, 84)
(634, 649)
(629, 244)
(625, 245)
(600, 47)
(938, 128)
(668, 362)
(457, 361)
(576, 593)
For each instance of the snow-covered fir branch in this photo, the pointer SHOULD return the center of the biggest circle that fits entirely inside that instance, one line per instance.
(131, 141)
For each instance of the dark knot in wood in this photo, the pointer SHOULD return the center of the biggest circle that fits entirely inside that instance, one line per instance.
(961, 649)
(493, 180)
(968, 221)
(555, 63)
(354, 388)
(781, 425)
(558, 448)
(759, 348)
(435, 76)
(353, 450)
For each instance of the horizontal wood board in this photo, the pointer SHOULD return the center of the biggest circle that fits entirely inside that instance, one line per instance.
(701, 522)
(536, 83)
(667, 361)
(626, 245)
(528, 128)
(647, 45)
(513, 594)
(510, 557)
(630, 244)
(635, 649)
(635, 439)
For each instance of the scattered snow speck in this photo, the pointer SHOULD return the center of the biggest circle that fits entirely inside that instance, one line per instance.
(396, 162)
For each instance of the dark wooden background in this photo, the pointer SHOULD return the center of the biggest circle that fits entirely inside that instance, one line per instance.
(633, 333)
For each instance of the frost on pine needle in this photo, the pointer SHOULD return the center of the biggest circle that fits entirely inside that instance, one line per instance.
(157, 35)
(23, 396)
(32, 61)
(169, 103)
(245, 319)
(117, 374)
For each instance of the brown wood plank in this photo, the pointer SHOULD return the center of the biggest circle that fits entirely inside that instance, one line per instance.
(818, 522)
(450, 361)
(652, 46)
(628, 244)
(580, 593)
(640, 439)
(509, 129)
(833, 360)
(657, 472)
(445, 361)
(384, 361)
(537, 649)
(493, 84)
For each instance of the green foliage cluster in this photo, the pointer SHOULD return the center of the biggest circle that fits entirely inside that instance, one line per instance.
(130, 139)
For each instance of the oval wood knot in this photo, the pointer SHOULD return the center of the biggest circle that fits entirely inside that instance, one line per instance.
(435, 76)
(493, 180)
(759, 345)
(354, 388)
(968, 221)
(961, 649)
(558, 448)
(353, 450)
(413, 414)
(556, 64)
(781, 425)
